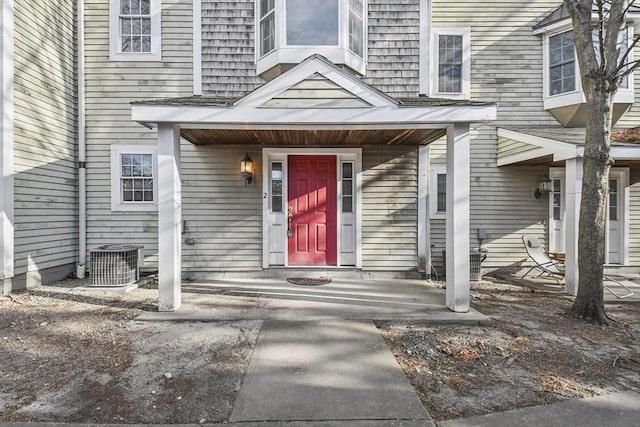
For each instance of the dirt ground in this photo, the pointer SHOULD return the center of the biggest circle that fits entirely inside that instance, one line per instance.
(71, 356)
(531, 354)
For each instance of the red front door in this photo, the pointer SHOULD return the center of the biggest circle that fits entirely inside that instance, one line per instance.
(312, 210)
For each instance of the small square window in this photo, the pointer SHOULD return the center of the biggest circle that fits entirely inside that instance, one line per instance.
(133, 178)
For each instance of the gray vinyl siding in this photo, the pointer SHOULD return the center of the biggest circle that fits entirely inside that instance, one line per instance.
(506, 68)
(111, 86)
(45, 133)
(223, 218)
(389, 208)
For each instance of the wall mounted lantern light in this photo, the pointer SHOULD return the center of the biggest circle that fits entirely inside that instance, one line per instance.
(246, 169)
(544, 188)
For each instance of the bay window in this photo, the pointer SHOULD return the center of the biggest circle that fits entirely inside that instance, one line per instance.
(288, 31)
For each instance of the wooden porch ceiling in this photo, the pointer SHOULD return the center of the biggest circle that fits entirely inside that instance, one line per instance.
(323, 137)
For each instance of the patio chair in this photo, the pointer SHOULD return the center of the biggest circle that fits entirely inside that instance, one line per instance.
(543, 263)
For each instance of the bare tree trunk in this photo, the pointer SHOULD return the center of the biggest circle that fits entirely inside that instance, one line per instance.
(600, 75)
(589, 304)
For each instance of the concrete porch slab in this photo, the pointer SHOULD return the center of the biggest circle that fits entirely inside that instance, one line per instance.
(276, 299)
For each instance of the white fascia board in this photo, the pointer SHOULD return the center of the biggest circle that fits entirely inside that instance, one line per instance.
(625, 153)
(555, 26)
(272, 118)
(305, 69)
(560, 150)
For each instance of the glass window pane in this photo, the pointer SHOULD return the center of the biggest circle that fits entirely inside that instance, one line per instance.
(276, 203)
(347, 187)
(613, 199)
(145, 7)
(135, 7)
(347, 204)
(441, 193)
(267, 34)
(125, 7)
(276, 186)
(347, 170)
(312, 22)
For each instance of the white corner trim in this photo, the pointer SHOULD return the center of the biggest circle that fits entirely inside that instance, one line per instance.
(115, 52)
(425, 42)
(197, 47)
(116, 198)
(423, 208)
(7, 255)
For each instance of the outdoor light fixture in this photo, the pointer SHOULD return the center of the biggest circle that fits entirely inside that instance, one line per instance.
(246, 169)
(544, 188)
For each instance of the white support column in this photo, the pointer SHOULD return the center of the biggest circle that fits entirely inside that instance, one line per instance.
(458, 184)
(169, 218)
(423, 214)
(573, 195)
(6, 148)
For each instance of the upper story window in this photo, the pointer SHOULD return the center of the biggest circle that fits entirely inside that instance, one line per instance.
(288, 31)
(562, 64)
(562, 91)
(134, 30)
(451, 63)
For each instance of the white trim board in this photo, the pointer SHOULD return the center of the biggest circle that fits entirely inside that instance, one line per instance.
(7, 255)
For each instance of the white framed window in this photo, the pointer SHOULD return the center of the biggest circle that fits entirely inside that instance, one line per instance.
(562, 85)
(562, 64)
(451, 63)
(438, 191)
(134, 30)
(134, 178)
(289, 31)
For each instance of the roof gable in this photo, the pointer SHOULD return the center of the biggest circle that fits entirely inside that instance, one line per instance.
(316, 83)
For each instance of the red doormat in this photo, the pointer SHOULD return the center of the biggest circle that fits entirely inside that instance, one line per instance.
(309, 281)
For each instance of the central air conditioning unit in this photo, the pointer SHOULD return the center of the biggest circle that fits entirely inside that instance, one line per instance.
(115, 265)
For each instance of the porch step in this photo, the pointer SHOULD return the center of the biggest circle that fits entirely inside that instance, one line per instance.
(283, 273)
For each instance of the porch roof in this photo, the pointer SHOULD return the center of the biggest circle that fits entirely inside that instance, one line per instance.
(314, 103)
(552, 146)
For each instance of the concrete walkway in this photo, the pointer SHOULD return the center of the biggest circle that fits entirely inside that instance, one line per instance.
(330, 370)
(611, 410)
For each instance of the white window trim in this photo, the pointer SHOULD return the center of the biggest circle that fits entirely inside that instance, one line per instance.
(624, 95)
(294, 54)
(115, 47)
(465, 32)
(434, 171)
(117, 205)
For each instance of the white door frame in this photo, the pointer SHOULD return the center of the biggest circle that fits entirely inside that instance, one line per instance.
(282, 154)
(622, 174)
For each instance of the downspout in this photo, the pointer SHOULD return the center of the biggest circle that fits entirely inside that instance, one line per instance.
(82, 155)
